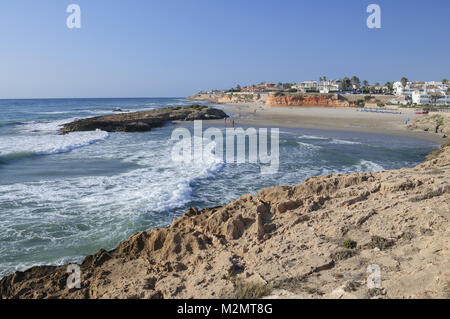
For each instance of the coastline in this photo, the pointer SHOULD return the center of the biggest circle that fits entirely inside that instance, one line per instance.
(312, 240)
(291, 239)
(331, 119)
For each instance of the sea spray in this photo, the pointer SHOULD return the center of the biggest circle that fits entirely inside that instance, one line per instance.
(188, 149)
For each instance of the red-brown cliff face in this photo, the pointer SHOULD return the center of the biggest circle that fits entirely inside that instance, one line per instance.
(330, 100)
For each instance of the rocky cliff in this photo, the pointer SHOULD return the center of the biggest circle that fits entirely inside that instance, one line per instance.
(286, 99)
(329, 100)
(324, 238)
(230, 98)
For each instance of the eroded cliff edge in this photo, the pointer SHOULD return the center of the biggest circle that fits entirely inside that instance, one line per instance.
(284, 99)
(312, 240)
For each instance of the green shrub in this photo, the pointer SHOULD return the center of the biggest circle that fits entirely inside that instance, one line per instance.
(249, 290)
(278, 93)
(380, 243)
(198, 106)
(350, 244)
(360, 103)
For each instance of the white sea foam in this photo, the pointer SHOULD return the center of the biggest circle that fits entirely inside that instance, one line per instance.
(330, 140)
(338, 141)
(43, 127)
(368, 166)
(310, 146)
(313, 137)
(45, 216)
(48, 144)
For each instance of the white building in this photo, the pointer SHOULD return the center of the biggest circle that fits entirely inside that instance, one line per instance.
(406, 90)
(308, 85)
(419, 87)
(420, 98)
(430, 98)
(321, 86)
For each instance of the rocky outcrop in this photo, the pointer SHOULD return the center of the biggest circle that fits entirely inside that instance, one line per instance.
(328, 100)
(324, 238)
(144, 120)
(230, 98)
(434, 123)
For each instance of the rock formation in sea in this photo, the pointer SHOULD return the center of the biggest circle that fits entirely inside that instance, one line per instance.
(144, 120)
(363, 235)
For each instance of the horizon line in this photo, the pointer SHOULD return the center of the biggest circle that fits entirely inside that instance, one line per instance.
(94, 98)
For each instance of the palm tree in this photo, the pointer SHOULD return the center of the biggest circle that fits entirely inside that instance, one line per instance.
(346, 84)
(404, 81)
(389, 86)
(365, 83)
(444, 81)
(434, 98)
(355, 81)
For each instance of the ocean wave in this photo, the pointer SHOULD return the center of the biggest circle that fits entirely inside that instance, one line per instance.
(17, 146)
(15, 156)
(11, 123)
(313, 137)
(87, 111)
(330, 140)
(310, 146)
(202, 168)
(368, 166)
(43, 127)
(337, 141)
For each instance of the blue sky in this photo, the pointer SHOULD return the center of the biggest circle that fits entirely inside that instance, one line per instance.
(145, 48)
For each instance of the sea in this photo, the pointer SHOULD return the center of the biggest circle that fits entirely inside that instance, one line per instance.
(63, 197)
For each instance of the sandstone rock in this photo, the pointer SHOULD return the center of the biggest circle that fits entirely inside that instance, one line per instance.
(234, 227)
(328, 100)
(289, 205)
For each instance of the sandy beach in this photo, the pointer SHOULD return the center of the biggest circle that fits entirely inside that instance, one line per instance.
(334, 119)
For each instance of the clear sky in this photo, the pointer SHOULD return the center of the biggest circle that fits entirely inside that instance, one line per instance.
(146, 48)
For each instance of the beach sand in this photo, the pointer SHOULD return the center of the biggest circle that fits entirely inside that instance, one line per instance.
(326, 118)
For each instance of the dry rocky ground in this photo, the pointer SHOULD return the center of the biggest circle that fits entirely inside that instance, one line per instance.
(434, 123)
(313, 240)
